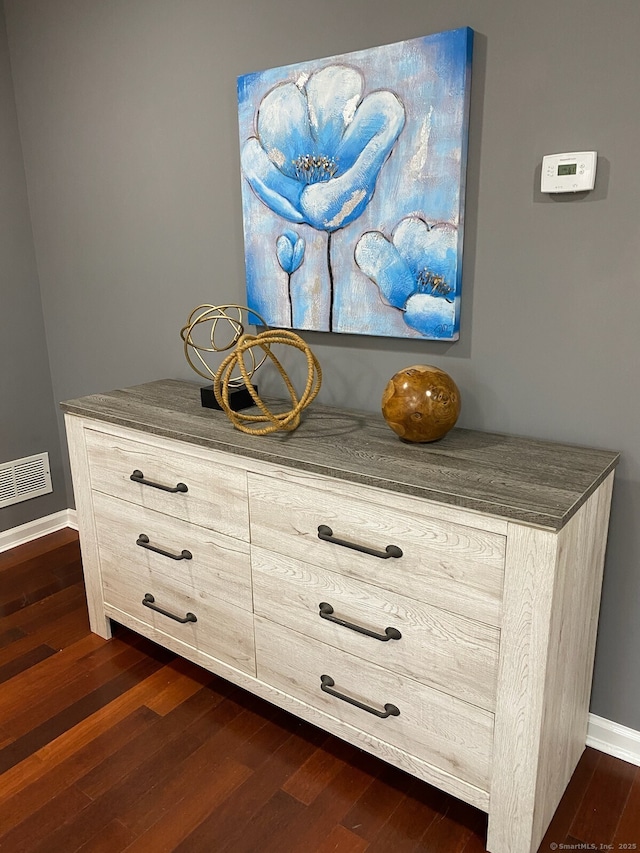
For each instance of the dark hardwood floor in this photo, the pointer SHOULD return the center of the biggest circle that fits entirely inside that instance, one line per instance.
(118, 745)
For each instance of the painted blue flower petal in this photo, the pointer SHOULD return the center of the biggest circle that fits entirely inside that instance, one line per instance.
(298, 253)
(425, 247)
(380, 260)
(411, 237)
(432, 316)
(333, 94)
(279, 192)
(290, 251)
(379, 120)
(333, 204)
(283, 126)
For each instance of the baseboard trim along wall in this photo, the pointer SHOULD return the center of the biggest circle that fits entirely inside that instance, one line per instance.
(614, 739)
(40, 527)
(603, 735)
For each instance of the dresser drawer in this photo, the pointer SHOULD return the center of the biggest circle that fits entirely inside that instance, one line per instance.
(214, 584)
(452, 566)
(439, 649)
(216, 495)
(218, 565)
(445, 732)
(222, 631)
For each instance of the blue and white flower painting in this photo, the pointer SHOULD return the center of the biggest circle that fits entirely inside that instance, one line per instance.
(353, 172)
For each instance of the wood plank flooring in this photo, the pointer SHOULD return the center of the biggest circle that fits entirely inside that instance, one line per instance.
(119, 745)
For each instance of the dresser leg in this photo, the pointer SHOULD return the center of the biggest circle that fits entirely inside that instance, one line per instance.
(101, 625)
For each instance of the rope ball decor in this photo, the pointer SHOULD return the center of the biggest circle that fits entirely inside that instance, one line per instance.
(286, 421)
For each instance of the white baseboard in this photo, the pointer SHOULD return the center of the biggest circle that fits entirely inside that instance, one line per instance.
(614, 739)
(40, 527)
(603, 735)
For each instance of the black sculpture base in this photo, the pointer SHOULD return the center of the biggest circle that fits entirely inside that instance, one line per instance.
(239, 398)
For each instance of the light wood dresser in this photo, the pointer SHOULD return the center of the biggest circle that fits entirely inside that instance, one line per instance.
(434, 604)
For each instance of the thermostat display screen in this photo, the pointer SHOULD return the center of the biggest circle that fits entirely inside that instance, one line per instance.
(567, 169)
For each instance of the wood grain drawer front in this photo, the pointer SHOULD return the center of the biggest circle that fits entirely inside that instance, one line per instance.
(216, 495)
(437, 728)
(217, 574)
(218, 565)
(442, 650)
(452, 566)
(221, 631)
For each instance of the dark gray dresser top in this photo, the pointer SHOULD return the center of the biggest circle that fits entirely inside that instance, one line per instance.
(536, 482)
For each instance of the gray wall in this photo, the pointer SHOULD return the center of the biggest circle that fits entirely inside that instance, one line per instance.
(127, 110)
(28, 423)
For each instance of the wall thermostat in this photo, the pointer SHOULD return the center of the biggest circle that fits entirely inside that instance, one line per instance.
(568, 173)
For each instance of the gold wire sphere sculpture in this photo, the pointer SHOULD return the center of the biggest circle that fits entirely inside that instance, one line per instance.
(215, 315)
(224, 380)
(286, 421)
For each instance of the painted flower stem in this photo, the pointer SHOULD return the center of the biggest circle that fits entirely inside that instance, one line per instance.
(331, 287)
(290, 298)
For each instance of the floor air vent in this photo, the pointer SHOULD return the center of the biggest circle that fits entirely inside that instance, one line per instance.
(24, 478)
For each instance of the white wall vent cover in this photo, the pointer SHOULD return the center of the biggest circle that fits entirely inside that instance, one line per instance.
(24, 478)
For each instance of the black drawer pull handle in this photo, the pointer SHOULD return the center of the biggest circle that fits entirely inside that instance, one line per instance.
(143, 542)
(138, 477)
(326, 533)
(326, 612)
(327, 683)
(149, 600)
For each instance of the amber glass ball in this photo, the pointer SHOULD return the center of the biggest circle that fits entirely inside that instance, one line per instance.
(421, 403)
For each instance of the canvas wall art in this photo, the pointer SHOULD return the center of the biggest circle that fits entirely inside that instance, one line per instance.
(353, 184)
